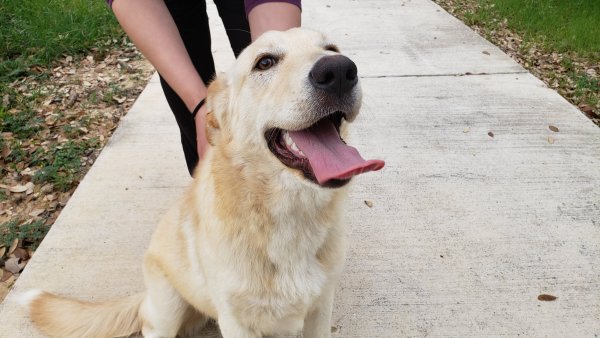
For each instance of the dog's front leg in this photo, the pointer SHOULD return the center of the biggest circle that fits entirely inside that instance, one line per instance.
(317, 323)
(163, 310)
(232, 328)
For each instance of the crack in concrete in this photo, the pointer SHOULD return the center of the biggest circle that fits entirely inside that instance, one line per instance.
(440, 75)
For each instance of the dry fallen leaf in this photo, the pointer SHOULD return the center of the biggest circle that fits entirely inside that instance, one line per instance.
(586, 108)
(18, 188)
(36, 212)
(63, 198)
(553, 128)
(369, 203)
(550, 140)
(30, 187)
(21, 254)
(119, 99)
(72, 98)
(6, 151)
(46, 188)
(13, 246)
(5, 276)
(546, 298)
(126, 66)
(14, 265)
(22, 188)
(27, 172)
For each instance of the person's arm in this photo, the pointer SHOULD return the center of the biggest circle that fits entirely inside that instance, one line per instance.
(150, 26)
(278, 16)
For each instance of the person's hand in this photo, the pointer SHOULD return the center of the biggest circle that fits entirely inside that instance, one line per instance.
(201, 140)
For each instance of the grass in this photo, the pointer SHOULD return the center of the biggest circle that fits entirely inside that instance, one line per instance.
(564, 26)
(34, 35)
(37, 32)
(32, 233)
(23, 125)
(61, 164)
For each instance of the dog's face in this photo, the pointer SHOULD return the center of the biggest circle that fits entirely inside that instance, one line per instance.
(282, 107)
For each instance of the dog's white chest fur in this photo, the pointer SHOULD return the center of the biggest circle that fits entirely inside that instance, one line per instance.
(299, 279)
(274, 291)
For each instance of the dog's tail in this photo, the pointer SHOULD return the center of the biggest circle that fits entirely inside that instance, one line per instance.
(62, 317)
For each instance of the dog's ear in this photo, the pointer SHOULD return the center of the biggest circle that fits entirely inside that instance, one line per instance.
(217, 105)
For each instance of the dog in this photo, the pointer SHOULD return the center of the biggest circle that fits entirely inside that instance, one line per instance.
(257, 242)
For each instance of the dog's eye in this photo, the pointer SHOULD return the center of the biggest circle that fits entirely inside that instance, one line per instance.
(266, 62)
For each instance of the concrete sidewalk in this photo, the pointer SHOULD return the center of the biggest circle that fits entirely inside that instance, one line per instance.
(465, 230)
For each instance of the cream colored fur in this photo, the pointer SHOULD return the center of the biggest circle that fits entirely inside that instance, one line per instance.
(252, 243)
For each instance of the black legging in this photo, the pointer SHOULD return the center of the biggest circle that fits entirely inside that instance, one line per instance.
(192, 21)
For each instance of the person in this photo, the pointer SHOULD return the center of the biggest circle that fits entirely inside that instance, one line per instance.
(174, 36)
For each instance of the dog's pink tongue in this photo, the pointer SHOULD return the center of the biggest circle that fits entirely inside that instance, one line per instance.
(329, 157)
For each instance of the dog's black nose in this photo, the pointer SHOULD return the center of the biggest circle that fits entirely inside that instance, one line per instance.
(335, 74)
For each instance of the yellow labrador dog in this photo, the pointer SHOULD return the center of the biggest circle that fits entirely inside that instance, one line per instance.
(257, 241)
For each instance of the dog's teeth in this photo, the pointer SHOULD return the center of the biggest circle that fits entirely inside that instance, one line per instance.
(287, 138)
(291, 144)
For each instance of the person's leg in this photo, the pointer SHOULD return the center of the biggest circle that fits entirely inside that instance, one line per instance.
(265, 15)
(236, 24)
(192, 22)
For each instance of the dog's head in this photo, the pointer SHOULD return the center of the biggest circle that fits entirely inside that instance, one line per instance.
(282, 106)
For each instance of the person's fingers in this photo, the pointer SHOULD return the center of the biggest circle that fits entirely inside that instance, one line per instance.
(201, 140)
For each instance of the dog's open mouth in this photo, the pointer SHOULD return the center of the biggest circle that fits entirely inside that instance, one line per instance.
(320, 153)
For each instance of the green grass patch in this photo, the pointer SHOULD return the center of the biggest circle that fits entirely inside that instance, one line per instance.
(62, 164)
(31, 233)
(562, 25)
(17, 153)
(23, 124)
(37, 32)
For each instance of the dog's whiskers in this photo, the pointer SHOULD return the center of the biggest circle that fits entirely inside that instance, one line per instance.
(271, 135)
